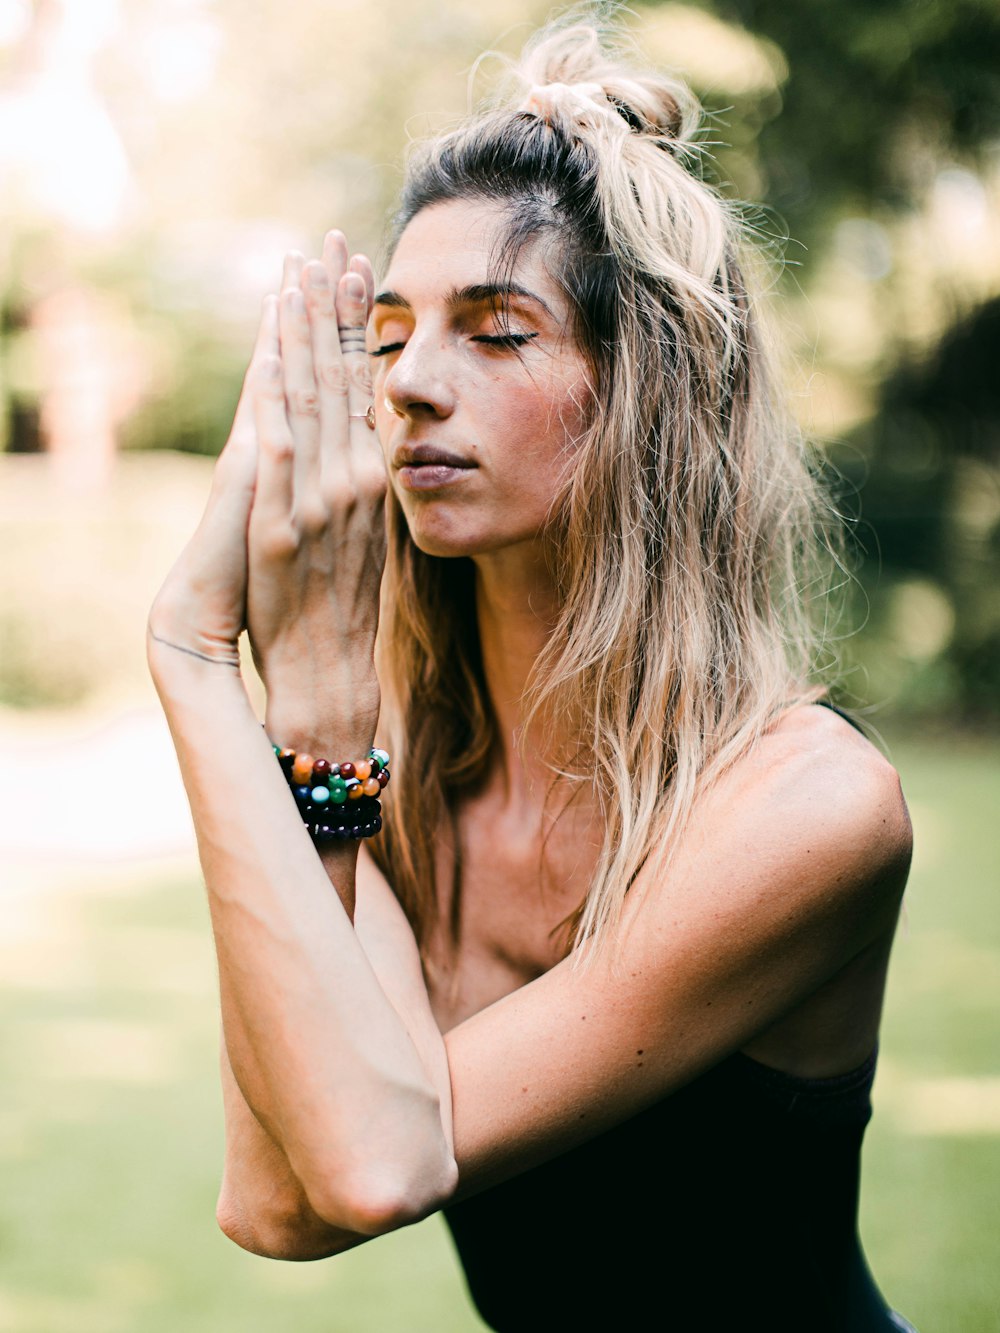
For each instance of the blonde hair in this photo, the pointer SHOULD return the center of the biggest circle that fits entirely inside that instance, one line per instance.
(689, 532)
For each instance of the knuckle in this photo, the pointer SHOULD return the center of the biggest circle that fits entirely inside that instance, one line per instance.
(334, 379)
(319, 299)
(267, 384)
(280, 448)
(278, 541)
(311, 517)
(371, 480)
(343, 495)
(303, 403)
(361, 377)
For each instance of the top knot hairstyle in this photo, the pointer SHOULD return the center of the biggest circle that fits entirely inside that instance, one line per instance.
(689, 532)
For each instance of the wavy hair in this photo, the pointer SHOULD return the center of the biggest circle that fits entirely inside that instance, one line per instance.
(690, 531)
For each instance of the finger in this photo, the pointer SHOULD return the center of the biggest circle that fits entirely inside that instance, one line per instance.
(335, 256)
(352, 317)
(242, 433)
(301, 395)
(328, 366)
(275, 446)
(362, 264)
(291, 271)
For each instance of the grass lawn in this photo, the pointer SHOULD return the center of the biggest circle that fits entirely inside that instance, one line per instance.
(110, 1125)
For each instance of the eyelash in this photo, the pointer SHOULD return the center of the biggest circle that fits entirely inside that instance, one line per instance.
(493, 340)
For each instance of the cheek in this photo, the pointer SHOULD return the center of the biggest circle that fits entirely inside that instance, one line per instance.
(549, 421)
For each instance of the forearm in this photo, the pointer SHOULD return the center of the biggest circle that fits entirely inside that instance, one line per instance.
(262, 1206)
(319, 1053)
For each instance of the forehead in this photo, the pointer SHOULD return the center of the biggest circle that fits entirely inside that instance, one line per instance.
(459, 244)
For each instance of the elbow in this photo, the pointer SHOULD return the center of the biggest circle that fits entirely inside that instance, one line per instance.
(274, 1233)
(398, 1172)
(384, 1197)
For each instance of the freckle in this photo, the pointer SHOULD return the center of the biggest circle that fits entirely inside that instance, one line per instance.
(638, 1052)
(641, 1063)
(582, 1116)
(524, 1089)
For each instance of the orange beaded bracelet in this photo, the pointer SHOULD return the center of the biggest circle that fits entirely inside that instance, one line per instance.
(337, 800)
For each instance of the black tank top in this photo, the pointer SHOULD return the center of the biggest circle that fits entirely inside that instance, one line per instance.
(731, 1204)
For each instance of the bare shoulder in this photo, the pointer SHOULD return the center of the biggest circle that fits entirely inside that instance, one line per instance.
(840, 771)
(818, 790)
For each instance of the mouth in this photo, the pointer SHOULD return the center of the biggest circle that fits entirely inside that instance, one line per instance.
(419, 456)
(427, 467)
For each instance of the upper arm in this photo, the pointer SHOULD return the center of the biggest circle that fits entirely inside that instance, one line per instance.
(791, 865)
(387, 939)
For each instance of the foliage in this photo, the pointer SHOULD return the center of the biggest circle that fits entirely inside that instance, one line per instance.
(868, 133)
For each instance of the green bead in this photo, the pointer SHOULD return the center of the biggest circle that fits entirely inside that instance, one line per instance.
(338, 795)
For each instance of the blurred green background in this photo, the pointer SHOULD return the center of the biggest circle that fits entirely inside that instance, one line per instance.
(157, 157)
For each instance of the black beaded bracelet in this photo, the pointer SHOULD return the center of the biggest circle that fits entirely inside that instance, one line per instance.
(336, 801)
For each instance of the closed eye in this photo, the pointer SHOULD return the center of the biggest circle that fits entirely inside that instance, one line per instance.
(493, 339)
(504, 339)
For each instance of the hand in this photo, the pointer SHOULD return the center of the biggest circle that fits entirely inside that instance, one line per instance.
(316, 538)
(200, 609)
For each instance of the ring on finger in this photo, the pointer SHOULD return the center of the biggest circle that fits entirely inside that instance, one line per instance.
(352, 338)
(368, 416)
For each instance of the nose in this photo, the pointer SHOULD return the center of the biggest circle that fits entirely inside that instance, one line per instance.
(419, 383)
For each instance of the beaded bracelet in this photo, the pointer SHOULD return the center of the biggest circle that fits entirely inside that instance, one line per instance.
(336, 801)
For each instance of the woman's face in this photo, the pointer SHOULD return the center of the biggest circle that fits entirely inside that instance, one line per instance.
(480, 389)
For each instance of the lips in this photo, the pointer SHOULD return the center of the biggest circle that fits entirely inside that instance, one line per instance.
(427, 455)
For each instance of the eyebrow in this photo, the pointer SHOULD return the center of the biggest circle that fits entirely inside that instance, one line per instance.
(476, 293)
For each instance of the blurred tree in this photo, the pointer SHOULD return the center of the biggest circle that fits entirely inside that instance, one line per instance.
(878, 94)
(889, 111)
(868, 128)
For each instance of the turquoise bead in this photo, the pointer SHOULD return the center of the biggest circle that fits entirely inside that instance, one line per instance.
(320, 795)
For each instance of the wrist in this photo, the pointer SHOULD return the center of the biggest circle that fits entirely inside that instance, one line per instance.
(169, 659)
(324, 721)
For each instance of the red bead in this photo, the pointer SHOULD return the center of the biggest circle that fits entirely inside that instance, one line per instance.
(383, 778)
(321, 769)
(347, 770)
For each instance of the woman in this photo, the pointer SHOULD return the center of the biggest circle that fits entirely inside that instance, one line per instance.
(607, 990)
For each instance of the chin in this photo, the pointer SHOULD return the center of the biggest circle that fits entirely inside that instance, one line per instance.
(450, 541)
(444, 545)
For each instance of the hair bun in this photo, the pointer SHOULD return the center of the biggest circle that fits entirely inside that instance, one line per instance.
(571, 75)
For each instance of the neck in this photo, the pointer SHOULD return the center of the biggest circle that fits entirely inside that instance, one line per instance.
(516, 609)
